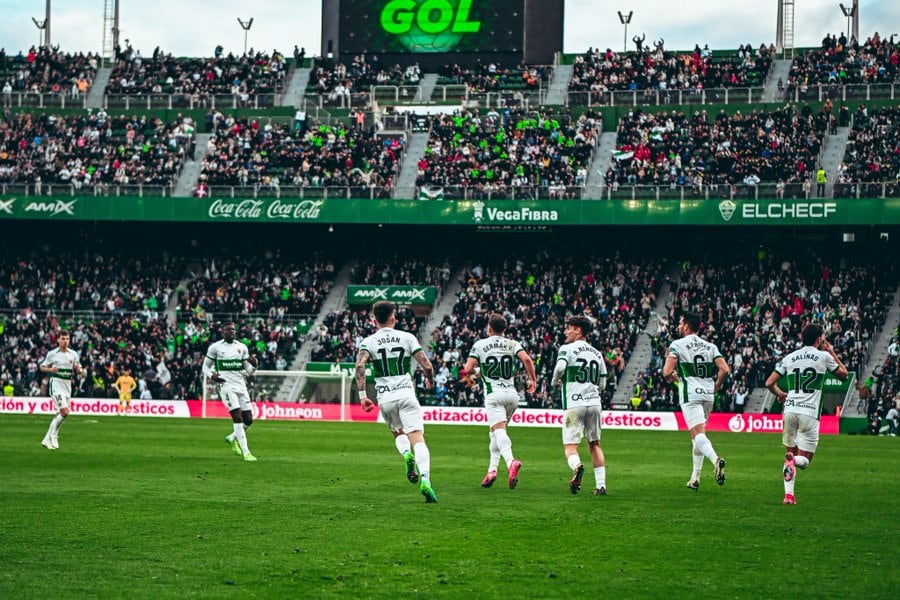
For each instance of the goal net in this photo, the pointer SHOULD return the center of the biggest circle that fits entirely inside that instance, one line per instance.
(317, 387)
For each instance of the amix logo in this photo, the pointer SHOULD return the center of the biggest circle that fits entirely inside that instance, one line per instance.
(54, 208)
(6, 206)
(382, 294)
(429, 25)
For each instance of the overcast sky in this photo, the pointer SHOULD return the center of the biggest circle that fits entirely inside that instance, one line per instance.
(194, 27)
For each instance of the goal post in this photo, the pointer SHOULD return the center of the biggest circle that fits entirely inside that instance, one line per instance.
(301, 387)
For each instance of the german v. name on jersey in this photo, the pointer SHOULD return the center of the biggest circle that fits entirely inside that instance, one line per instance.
(804, 372)
(61, 381)
(585, 375)
(391, 353)
(498, 358)
(696, 368)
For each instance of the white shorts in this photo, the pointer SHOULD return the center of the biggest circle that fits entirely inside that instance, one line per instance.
(696, 413)
(402, 412)
(581, 422)
(801, 431)
(234, 398)
(61, 401)
(500, 406)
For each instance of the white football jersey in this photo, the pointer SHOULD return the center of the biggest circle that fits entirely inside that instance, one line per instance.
(61, 382)
(696, 368)
(390, 351)
(585, 375)
(804, 371)
(498, 358)
(228, 359)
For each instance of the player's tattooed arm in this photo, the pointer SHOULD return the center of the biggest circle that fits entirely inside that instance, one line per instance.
(360, 374)
(427, 368)
(362, 358)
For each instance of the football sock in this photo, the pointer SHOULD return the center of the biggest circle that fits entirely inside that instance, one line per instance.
(600, 476)
(230, 437)
(574, 461)
(402, 443)
(495, 453)
(801, 462)
(241, 437)
(505, 445)
(55, 424)
(697, 457)
(702, 443)
(423, 459)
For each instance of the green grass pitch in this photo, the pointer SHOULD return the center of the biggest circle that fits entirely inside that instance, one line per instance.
(141, 508)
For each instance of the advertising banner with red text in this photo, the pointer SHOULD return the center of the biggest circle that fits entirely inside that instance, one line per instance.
(549, 417)
(286, 411)
(757, 423)
(95, 407)
(434, 415)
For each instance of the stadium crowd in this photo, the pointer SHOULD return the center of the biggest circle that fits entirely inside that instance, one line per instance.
(872, 156)
(114, 305)
(92, 151)
(259, 284)
(349, 85)
(660, 69)
(245, 152)
(841, 62)
(272, 306)
(493, 77)
(672, 149)
(491, 152)
(46, 70)
(248, 75)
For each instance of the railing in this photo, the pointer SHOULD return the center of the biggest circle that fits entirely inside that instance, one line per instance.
(15, 314)
(304, 321)
(302, 192)
(205, 101)
(654, 97)
(43, 100)
(882, 189)
(69, 189)
(851, 91)
(495, 192)
(720, 191)
(442, 94)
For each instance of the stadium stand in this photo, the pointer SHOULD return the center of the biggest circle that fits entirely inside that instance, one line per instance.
(673, 149)
(273, 159)
(91, 153)
(837, 63)
(113, 302)
(336, 84)
(48, 70)
(493, 77)
(256, 74)
(520, 154)
(872, 159)
(259, 284)
(660, 69)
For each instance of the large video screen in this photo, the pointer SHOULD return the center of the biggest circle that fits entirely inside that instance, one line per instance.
(431, 26)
